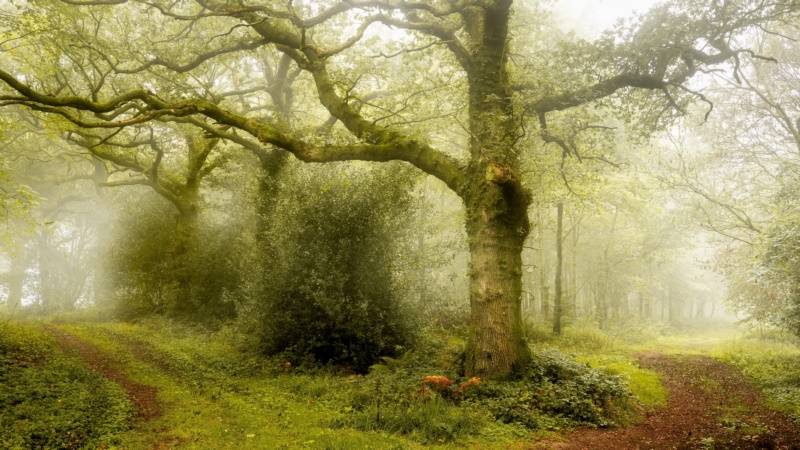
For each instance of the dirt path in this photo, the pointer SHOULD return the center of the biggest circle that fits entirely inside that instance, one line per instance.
(710, 405)
(143, 397)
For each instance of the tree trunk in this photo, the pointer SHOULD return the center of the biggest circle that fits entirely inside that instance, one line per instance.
(15, 279)
(496, 344)
(185, 236)
(544, 289)
(559, 265)
(496, 202)
(573, 265)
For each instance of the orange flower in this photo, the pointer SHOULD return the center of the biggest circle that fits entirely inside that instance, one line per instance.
(472, 382)
(437, 383)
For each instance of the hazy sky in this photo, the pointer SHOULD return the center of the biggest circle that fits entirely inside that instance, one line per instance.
(589, 17)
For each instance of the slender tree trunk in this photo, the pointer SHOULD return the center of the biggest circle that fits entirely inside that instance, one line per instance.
(544, 288)
(601, 306)
(573, 279)
(559, 265)
(641, 304)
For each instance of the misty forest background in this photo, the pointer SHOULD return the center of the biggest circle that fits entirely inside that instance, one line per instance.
(329, 190)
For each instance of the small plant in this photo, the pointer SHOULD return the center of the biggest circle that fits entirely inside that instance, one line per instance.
(707, 443)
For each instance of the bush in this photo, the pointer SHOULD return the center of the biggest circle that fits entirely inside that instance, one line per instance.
(420, 395)
(333, 255)
(148, 276)
(556, 391)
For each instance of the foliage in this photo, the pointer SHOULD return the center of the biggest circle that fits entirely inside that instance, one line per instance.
(16, 202)
(338, 240)
(555, 392)
(50, 399)
(146, 273)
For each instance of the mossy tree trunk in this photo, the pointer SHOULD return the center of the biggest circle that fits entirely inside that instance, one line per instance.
(496, 203)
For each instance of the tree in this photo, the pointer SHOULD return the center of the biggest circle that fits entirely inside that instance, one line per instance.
(121, 52)
(738, 175)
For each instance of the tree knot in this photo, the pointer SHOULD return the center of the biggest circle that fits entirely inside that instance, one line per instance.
(500, 174)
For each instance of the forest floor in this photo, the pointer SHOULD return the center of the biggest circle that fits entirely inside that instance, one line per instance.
(141, 396)
(181, 394)
(710, 405)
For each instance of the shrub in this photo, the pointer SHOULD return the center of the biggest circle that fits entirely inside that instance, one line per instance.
(554, 392)
(339, 238)
(148, 276)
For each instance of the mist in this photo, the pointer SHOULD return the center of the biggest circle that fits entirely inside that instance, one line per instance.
(466, 223)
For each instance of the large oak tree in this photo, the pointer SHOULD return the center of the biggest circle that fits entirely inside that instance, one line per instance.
(495, 82)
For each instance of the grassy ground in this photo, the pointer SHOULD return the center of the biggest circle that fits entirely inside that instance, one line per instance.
(773, 362)
(51, 399)
(217, 393)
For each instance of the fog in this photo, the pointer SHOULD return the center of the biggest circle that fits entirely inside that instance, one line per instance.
(672, 205)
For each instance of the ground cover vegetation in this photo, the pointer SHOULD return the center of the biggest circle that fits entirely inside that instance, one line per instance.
(347, 224)
(216, 389)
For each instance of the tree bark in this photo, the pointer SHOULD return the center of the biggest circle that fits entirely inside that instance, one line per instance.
(496, 344)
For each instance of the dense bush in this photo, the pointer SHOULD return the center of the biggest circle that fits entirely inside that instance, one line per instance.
(421, 394)
(334, 252)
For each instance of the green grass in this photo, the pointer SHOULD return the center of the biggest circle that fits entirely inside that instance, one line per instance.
(217, 393)
(50, 399)
(774, 365)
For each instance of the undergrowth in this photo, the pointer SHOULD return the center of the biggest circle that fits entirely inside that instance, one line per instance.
(217, 390)
(50, 399)
(773, 362)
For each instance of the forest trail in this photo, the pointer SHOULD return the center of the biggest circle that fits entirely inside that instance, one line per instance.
(710, 405)
(142, 397)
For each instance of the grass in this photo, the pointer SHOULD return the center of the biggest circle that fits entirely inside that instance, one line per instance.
(50, 399)
(772, 363)
(217, 393)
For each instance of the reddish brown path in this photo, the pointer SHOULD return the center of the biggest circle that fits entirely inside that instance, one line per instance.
(710, 405)
(143, 397)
